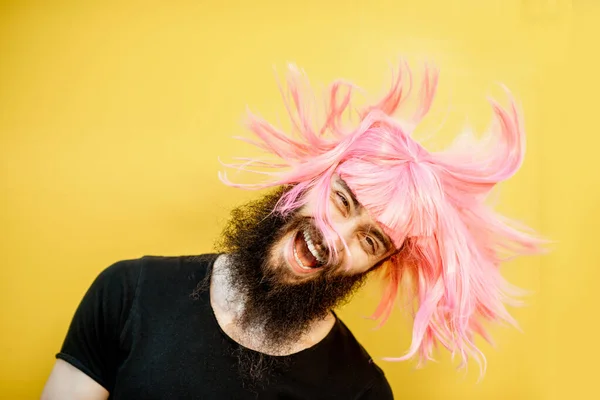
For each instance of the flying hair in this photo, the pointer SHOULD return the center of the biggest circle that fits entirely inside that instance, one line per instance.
(431, 204)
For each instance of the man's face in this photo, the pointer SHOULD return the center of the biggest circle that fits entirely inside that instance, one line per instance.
(280, 264)
(301, 253)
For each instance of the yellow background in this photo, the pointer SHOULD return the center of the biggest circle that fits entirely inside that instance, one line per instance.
(112, 115)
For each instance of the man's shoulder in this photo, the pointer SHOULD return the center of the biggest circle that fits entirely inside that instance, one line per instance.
(159, 266)
(355, 361)
(348, 345)
(145, 271)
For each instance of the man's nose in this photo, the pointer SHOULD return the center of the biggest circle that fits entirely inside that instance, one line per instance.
(346, 232)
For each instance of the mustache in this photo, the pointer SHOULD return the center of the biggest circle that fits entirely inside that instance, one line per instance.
(333, 257)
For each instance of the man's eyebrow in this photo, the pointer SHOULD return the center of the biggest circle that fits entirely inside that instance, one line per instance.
(382, 238)
(344, 186)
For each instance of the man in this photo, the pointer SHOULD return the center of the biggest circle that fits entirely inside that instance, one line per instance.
(256, 319)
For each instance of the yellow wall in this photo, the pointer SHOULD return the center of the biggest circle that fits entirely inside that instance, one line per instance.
(112, 116)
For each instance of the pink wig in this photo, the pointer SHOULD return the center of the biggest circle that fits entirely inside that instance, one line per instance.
(431, 204)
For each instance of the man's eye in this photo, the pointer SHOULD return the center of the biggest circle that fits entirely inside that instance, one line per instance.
(343, 200)
(371, 243)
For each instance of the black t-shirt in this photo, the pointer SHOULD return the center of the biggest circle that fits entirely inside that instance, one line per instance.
(141, 334)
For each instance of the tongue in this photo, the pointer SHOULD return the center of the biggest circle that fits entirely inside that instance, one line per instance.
(304, 253)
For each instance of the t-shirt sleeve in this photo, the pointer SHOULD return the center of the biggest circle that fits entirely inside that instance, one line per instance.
(93, 340)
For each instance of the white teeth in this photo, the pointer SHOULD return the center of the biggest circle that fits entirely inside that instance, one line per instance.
(312, 247)
(299, 261)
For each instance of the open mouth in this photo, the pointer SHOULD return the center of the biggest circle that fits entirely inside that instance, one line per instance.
(307, 252)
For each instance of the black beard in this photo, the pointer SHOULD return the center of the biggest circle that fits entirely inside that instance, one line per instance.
(284, 310)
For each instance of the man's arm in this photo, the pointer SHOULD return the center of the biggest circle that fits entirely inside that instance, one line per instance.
(89, 358)
(68, 383)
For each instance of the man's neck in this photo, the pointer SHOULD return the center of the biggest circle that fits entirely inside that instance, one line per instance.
(228, 304)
